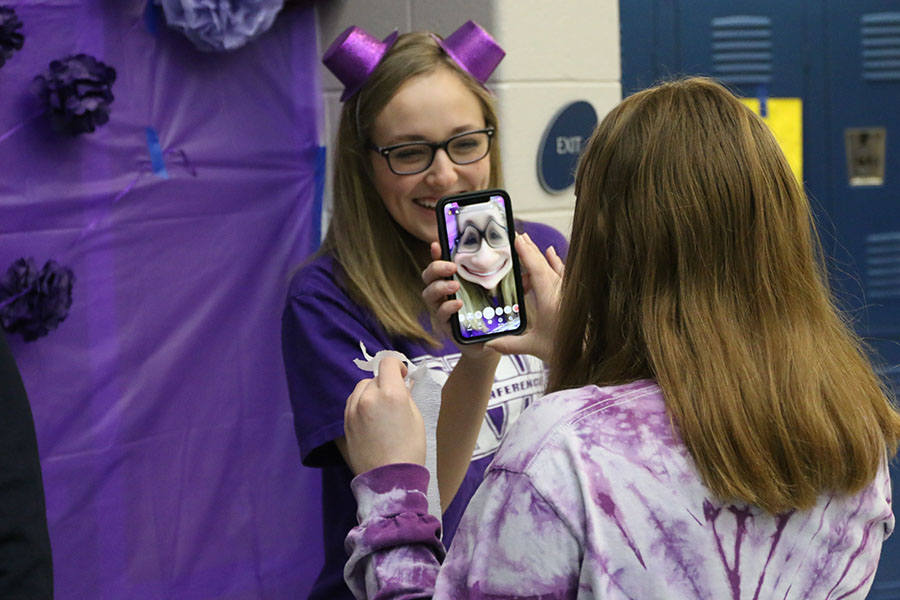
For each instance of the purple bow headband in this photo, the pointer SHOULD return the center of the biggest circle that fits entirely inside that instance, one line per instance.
(353, 56)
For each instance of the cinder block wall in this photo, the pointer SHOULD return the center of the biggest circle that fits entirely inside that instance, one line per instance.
(557, 53)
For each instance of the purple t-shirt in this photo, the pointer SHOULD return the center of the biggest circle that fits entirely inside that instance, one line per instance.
(593, 495)
(321, 331)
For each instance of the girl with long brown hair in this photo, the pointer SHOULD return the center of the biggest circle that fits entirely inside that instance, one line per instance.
(716, 431)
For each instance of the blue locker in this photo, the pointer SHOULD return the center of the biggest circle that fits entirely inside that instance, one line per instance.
(863, 92)
(843, 60)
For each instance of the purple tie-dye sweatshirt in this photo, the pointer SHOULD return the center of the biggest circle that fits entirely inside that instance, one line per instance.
(592, 495)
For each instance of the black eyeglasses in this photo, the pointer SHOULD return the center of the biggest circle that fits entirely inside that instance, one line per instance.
(469, 241)
(463, 148)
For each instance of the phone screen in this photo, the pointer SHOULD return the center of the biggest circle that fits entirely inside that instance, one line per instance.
(479, 239)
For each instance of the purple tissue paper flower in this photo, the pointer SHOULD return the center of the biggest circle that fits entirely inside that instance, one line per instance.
(34, 303)
(10, 38)
(78, 91)
(220, 25)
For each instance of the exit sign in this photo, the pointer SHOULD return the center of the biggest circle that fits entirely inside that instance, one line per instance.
(562, 143)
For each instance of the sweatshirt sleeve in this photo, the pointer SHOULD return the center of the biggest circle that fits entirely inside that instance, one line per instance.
(511, 543)
(395, 552)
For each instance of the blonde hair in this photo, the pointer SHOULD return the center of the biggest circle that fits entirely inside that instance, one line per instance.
(694, 260)
(475, 298)
(381, 261)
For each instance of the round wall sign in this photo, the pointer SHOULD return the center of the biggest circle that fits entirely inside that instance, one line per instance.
(561, 145)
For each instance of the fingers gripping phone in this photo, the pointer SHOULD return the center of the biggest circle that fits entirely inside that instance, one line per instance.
(476, 231)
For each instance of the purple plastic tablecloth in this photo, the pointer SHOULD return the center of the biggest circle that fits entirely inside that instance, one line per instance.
(170, 464)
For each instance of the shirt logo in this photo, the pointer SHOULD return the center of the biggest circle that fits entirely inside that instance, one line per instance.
(518, 382)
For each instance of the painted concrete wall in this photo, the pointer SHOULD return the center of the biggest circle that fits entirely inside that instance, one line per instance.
(556, 54)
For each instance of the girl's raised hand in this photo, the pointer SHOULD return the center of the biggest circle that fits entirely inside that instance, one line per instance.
(437, 288)
(542, 276)
(382, 424)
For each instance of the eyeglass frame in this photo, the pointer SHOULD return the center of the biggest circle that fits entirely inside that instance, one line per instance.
(435, 146)
(482, 238)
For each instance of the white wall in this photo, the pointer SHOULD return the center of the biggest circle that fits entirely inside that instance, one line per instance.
(556, 53)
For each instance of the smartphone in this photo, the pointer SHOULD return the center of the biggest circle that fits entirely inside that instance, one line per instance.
(476, 231)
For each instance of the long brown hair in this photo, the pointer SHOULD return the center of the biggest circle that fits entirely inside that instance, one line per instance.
(382, 263)
(694, 260)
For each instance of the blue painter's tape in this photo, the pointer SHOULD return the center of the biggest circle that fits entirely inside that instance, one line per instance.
(321, 158)
(151, 18)
(762, 92)
(156, 155)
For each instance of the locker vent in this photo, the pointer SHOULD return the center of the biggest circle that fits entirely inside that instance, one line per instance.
(880, 34)
(883, 265)
(742, 49)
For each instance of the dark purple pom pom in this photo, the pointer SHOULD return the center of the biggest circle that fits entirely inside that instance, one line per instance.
(78, 91)
(10, 38)
(34, 303)
(15, 285)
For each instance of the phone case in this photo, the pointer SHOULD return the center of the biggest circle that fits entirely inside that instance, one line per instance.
(493, 294)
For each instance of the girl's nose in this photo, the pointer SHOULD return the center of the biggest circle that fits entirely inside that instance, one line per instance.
(442, 172)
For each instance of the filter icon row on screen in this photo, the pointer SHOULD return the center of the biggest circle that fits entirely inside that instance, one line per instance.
(489, 313)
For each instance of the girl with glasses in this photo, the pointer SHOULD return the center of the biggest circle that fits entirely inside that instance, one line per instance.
(417, 124)
(715, 428)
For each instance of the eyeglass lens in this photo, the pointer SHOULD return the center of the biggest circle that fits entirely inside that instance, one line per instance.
(463, 149)
(494, 234)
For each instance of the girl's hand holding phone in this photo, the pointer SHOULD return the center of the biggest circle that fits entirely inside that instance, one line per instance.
(382, 424)
(438, 286)
(541, 277)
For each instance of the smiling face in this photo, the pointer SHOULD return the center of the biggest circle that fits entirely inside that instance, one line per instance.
(482, 254)
(431, 107)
